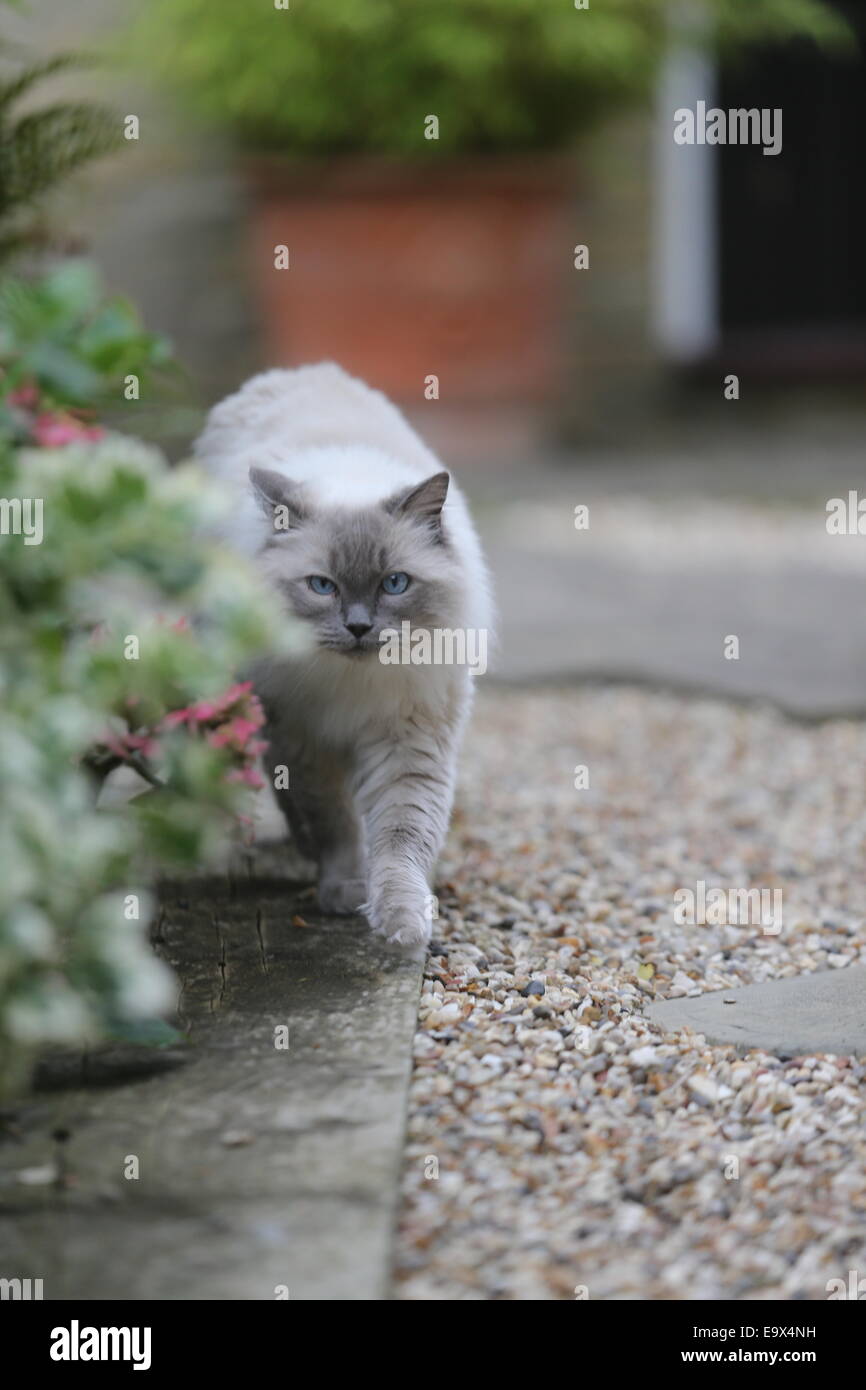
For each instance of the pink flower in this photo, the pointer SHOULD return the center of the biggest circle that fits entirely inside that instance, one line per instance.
(230, 721)
(235, 734)
(178, 716)
(26, 395)
(213, 711)
(124, 745)
(52, 431)
(249, 776)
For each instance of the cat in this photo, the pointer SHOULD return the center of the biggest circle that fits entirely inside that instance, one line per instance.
(362, 533)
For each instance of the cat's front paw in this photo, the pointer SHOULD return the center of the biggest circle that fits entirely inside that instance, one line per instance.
(401, 926)
(343, 896)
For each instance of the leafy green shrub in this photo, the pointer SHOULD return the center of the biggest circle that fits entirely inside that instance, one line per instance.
(67, 351)
(120, 630)
(501, 75)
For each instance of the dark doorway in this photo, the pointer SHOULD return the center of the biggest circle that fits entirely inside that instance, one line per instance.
(793, 225)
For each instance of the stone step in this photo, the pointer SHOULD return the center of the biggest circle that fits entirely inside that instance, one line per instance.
(262, 1171)
(823, 1012)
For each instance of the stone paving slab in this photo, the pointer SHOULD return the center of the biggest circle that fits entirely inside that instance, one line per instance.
(652, 591)
(818, 1013)
(258, 1167)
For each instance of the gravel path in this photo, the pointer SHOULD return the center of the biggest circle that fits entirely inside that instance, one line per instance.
(579, 1154)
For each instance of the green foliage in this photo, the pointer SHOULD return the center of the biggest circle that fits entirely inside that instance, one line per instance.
(501, 75)
(40, 147)
(121, 555)
(61, 338)
(65, 347)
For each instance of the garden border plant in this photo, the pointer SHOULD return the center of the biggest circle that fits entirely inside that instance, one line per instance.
(122, 630)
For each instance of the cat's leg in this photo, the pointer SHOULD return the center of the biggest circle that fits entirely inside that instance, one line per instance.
(326, 828)
(404, 789)
(342, 871)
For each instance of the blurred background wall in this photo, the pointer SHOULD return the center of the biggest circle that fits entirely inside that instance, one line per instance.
(702, 261)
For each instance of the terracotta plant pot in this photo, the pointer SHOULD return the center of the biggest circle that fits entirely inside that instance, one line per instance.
(401, 272)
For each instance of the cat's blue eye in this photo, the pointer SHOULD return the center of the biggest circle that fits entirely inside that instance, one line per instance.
(320, 585)
(396, 583)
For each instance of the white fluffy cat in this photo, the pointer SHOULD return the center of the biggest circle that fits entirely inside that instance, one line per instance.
(355, 523)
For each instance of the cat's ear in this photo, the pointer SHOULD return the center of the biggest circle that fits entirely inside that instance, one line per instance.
(422, 502)
(280, 498)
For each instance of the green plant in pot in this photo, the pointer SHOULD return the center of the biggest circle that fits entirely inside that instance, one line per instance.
(415, 161)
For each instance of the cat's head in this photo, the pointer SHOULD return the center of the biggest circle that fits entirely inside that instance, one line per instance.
(352, 572)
